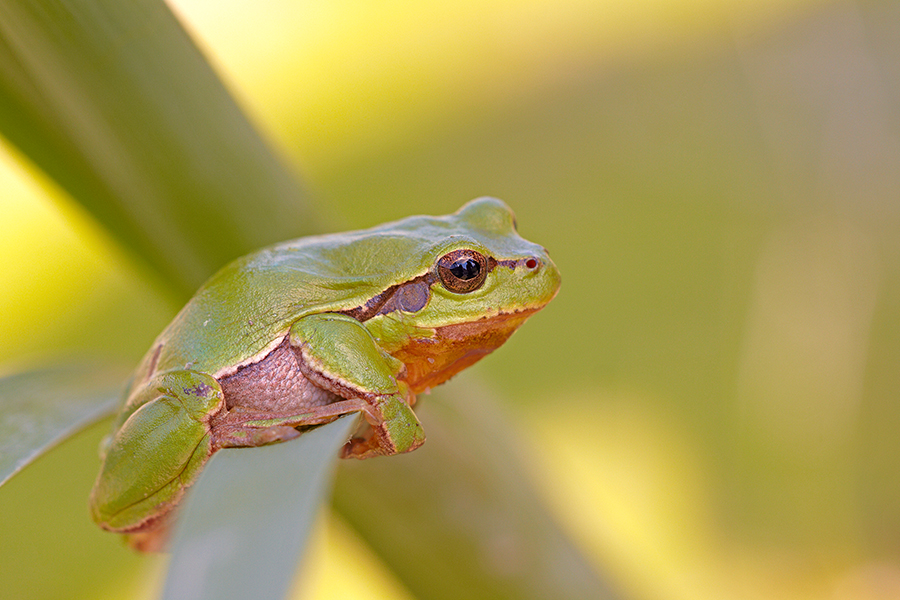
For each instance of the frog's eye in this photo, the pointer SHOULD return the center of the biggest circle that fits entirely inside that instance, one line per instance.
(462, 271)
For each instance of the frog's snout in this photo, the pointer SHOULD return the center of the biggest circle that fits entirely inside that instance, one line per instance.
(535, 264)
(541, 271)
(532, 263)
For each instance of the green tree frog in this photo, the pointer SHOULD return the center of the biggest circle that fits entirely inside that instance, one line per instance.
(298, 334)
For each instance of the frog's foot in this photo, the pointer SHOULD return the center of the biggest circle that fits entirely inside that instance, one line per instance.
(153, 540)
(366, 446)
(359, 447)
(241, 428)
(393, 429)
(392, 426)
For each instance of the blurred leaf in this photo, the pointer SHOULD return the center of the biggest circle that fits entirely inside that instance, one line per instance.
(246, 523)
(45, 407)
(459, 518)
(116, 103)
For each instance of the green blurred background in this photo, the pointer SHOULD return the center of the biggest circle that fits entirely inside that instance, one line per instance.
(710, 406)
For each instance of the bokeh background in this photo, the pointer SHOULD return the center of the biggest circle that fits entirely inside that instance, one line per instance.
(710, 406)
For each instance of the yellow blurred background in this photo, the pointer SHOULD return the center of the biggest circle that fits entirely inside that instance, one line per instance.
(711, 403)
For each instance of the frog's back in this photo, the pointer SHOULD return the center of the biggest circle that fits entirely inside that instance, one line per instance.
(247, 308)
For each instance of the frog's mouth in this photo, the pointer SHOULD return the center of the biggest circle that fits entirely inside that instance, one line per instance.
(432, 361)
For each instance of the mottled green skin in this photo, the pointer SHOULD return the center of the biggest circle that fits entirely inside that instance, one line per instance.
(248, 308)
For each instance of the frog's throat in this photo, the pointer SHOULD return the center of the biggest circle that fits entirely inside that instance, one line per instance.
(432, 361)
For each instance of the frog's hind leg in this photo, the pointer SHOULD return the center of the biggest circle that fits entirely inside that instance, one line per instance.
(241, 427)
(392, 426)
(157, 452)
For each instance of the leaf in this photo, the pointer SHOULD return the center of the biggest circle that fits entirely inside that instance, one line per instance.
(247, 521)
(459, 517)
(115, 102)
(39, 409)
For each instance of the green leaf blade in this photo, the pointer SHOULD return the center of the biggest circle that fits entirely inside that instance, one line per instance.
(45, 407)
(116, 103)
(246, 523)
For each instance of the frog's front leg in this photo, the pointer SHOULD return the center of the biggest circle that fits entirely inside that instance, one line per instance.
(337, 353)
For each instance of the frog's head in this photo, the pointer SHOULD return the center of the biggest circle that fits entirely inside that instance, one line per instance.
(482, 281)
(485, 268)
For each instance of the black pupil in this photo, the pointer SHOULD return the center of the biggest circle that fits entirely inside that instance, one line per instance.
(465, 269)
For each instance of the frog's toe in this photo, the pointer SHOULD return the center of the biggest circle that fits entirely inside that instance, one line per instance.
(361, 448)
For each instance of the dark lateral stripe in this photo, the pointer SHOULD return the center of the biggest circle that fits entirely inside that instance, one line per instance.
(372, 306)
(382, 304)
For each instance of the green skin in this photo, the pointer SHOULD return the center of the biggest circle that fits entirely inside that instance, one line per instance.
(300, 333)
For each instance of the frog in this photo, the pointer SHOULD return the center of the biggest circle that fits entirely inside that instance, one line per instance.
(298, 334)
